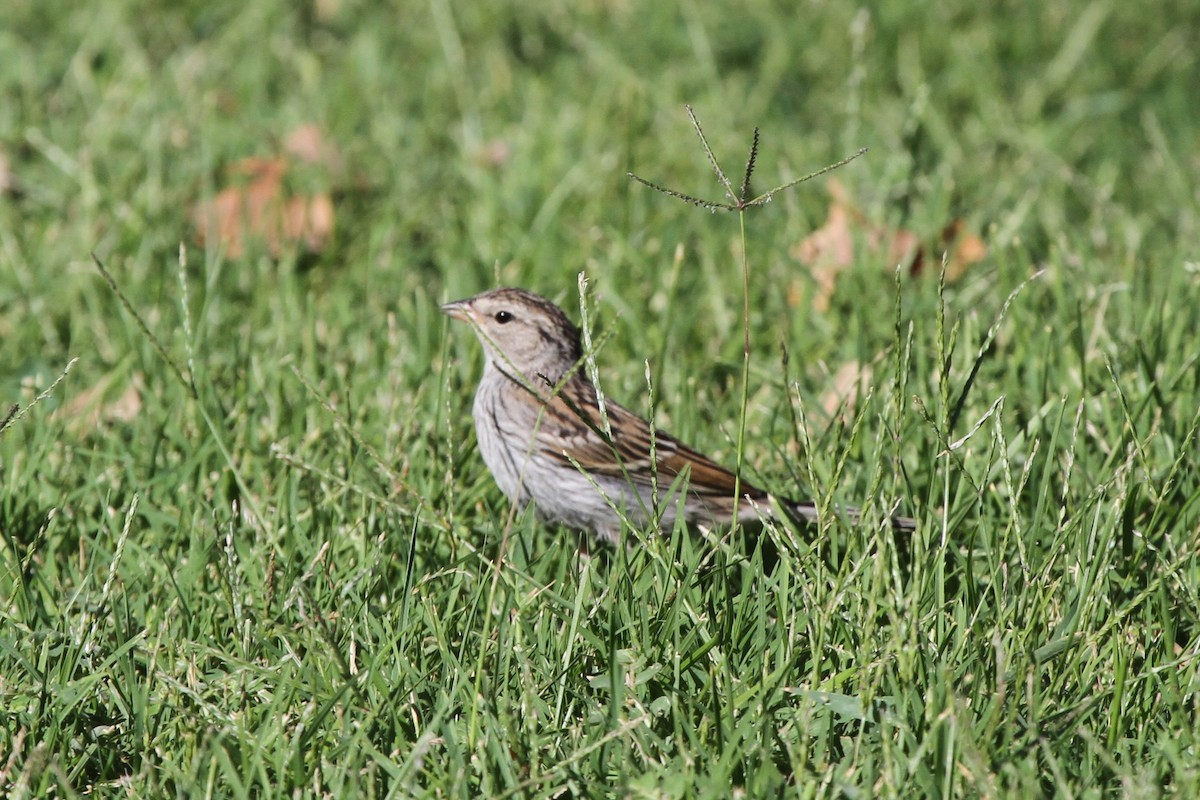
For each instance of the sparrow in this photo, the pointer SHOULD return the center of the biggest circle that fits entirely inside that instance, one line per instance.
(543, 437)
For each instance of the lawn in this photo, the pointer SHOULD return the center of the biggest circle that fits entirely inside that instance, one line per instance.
(248, 547)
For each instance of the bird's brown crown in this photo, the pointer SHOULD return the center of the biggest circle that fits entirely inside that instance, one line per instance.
(523, 330)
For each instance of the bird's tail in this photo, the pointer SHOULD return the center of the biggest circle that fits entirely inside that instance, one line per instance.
(807, 512)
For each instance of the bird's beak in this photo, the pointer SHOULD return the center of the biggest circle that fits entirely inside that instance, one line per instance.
(459, 309)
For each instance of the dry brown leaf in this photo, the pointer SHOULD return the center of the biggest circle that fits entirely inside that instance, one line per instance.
(962, 247)
(829, 250)
(307, 145)
(842, 393)
(309, 220)
(256, 208)
(903, 247)
(242, 212)
(86, 411)
(494, 153)
(831, 243)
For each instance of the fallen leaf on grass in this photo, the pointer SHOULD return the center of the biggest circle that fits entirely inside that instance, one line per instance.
(255, 206)
(86, 411)
(842, 393)
(494, 153)
(962, 248)
(309, 220)
(308, 146)
(832, 243)
(829, 250)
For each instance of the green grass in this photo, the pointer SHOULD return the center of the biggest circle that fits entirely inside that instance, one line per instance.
(279, 577)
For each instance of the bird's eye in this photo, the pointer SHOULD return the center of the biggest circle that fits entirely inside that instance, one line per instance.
(504, 317)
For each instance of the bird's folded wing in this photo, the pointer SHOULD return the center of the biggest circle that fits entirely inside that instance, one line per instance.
(627, 453)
